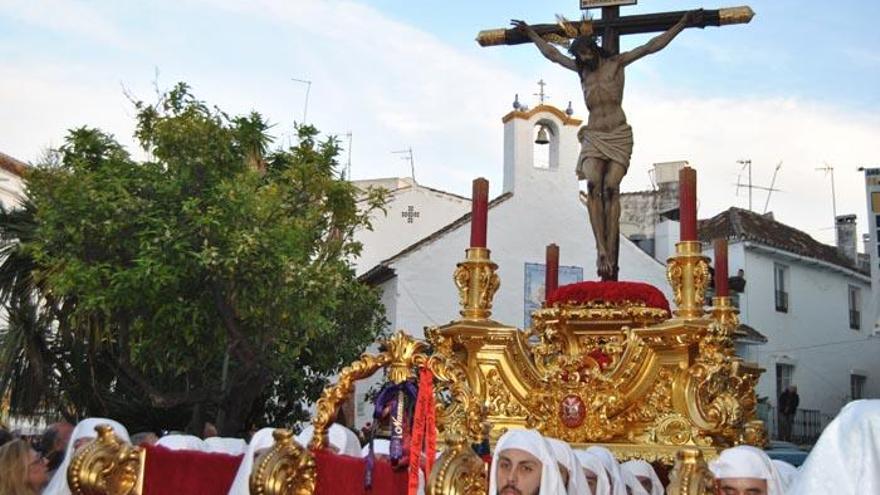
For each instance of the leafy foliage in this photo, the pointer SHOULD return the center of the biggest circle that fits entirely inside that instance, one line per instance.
(212, 281)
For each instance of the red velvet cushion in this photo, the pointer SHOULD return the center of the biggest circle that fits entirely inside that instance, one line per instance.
(339, 474)
(611, 292)
(169, 472)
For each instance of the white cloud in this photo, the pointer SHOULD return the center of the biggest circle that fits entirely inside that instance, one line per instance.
(75, 17)
(394, 86)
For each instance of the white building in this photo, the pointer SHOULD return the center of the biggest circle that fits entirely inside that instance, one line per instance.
(807, 299)
(540, 204)
(11, 184)
(412, 212)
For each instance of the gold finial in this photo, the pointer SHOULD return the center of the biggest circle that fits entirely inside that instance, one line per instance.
(735, 15)
(477, 283)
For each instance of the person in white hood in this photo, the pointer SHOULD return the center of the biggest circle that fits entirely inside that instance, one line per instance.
(612, 468)
(572, 476)
(846, 458)
(82, 434)
(594, 471)
(226, 445)
(342, 440)
(183, 442)
(746, 470)
(787, 473)
(645, 475)
(523, 464)
(261, 441)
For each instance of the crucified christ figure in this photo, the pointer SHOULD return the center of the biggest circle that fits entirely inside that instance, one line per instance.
(606, 140)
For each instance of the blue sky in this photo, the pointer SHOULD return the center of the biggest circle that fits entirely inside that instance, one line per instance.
(797, 85)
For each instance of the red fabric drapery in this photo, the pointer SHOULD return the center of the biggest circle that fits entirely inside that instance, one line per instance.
(339, 474)
(169, 472)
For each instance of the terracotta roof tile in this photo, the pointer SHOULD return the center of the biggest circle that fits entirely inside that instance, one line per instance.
(744, 225)
(12, 165)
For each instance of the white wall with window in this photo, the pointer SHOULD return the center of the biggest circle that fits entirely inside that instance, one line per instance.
(805, 307)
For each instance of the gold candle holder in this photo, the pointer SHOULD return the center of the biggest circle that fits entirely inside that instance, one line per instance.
(724, 312)
(477, 283)
(688, 274)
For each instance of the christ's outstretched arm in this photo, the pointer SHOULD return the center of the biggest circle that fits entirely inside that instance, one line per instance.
(546, 48)
(659, 42)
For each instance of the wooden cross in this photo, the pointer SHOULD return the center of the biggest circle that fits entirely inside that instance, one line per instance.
(611, 26)
(409, 214)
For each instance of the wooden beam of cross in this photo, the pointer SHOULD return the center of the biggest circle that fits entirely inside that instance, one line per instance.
(611, 26)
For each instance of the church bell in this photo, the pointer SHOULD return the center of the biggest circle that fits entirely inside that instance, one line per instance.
(542, 136)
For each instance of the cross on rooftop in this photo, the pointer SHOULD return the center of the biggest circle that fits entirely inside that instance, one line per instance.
(540, 94)
(409, 214)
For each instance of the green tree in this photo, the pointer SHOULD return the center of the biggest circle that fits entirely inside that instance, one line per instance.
(212, 281)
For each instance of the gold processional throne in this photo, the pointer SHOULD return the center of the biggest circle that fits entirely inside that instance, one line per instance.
(669, 388)
(665, 388)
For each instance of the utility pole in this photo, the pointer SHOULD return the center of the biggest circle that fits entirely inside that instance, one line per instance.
(408, 155)
(308, 89)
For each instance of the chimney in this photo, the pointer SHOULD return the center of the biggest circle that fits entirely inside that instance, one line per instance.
(866, 243)
(847, 238)
(665, 177)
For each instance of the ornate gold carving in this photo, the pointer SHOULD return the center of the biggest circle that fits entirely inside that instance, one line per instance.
(401, 354)
(688, 274)
(477, 282)
(285, 469)
(735, 15)
(106, 466)
(691, 475)
(498, 398)
(458, 472)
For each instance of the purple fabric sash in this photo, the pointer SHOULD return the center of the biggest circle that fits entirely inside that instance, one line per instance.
(399, 399)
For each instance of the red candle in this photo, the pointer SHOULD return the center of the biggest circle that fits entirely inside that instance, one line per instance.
(551, 276)
(687, 179)
(479, 210)
(721, 289)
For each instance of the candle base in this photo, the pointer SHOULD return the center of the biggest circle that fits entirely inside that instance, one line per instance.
(477, 281)
(688, 274)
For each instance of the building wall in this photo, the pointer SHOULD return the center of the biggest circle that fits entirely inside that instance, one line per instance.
(11, 189)
(814, 334)
(392, 231)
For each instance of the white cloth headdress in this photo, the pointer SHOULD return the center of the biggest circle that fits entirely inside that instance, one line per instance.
(594, 464)
(618, 485)
(638, 467)
(84, 429)
(183, 442)
(846, 458)
(745, 461)
(381, 446)
(532, 442)
(577, 482)
(226, 445)
(261, 440)
(345, 440)
(787, 473)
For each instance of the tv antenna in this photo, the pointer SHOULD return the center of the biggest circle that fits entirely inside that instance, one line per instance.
(308, 89)
(747, 166)
(829, 170)
(408, 155)
(348, 163)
